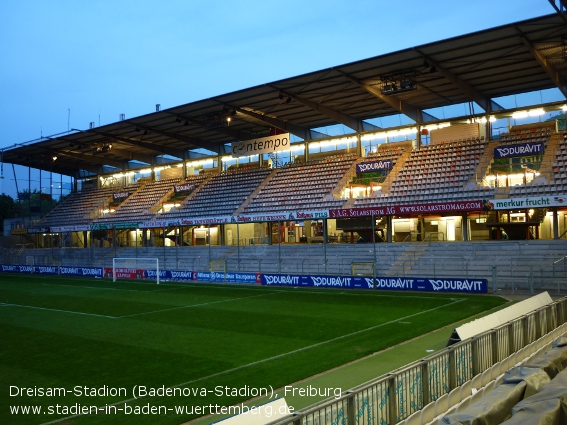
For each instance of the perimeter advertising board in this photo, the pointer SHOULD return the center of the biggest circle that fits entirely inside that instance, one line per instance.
(371, 166)
(383, 283)
(528, 202)
(228, 277)
(439, 207)
(29, 269)
(524, 149)
(314, 281)
(81, 271)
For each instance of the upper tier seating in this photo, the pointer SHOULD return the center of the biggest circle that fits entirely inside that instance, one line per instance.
(540, 186)
(138, 205)
(80, 207)
(443, 172)
(223, 193)
(195, 180)
(303, 186)
(435, 173)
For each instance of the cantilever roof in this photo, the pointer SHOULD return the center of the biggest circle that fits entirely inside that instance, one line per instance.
(510, 59)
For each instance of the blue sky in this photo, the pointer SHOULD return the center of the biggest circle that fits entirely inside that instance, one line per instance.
(101, 58)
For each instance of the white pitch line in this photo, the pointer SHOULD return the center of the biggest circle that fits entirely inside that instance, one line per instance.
(369, 292)
(57, 310)
(194, 305)
(129, 315)
(271, 358)
(96, 287)
(108, 288)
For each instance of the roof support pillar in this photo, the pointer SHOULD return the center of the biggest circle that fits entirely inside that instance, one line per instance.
(359, 152)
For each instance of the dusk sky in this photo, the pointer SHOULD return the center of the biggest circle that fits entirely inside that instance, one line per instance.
(69, 63)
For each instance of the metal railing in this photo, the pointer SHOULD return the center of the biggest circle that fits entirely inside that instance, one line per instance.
(393, 397)
(517, 274)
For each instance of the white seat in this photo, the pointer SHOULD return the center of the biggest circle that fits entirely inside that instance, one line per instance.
(427, 413)
(442, 404)
(454, 397)
(413, 419)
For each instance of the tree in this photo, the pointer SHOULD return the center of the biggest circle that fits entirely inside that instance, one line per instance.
(34, 203)
(7, 209)
(560, 117)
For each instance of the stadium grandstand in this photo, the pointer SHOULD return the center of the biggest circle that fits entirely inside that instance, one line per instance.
(252, 172)
(247, 187)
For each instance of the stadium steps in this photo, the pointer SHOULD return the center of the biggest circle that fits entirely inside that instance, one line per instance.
(140, 185)
(196, 191)
(407, 260)
(346, 178)
(484, 163)
(539, 215)
(156, 208)
(400, 165)
(546, 167)
(256, 192)
(502, 192)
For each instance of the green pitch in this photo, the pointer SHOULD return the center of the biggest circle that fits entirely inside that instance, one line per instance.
(75, 346)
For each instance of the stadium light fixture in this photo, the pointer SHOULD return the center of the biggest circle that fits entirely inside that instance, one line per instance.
(536, 112)
(295, 148)
(520, 114)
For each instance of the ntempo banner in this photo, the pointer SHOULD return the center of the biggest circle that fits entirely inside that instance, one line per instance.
(277, 143)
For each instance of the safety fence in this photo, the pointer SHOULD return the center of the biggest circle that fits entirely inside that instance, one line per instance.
(391, 398)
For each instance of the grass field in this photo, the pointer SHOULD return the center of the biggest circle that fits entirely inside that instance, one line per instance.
(64, 333)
